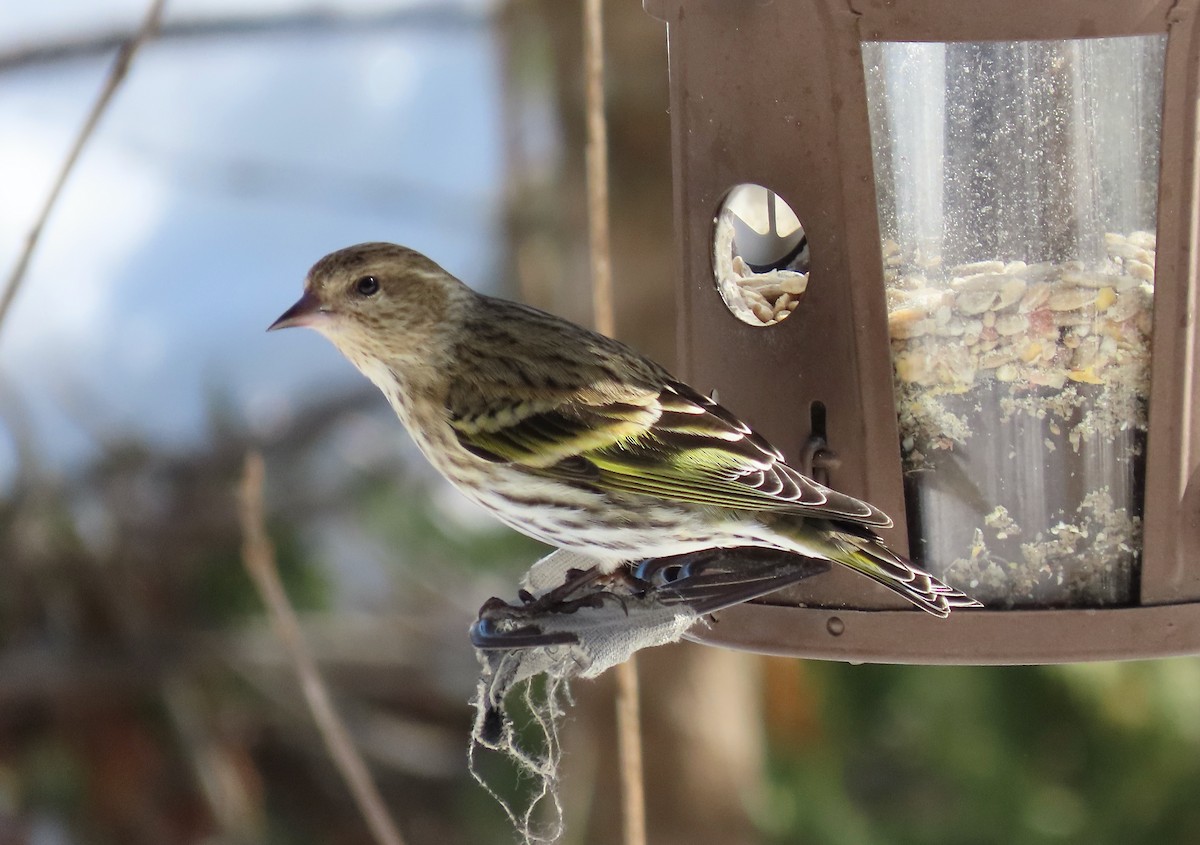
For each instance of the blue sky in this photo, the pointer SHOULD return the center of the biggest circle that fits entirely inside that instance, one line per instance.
(223, 169)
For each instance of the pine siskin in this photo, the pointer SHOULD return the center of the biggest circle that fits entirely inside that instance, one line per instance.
(574, 438)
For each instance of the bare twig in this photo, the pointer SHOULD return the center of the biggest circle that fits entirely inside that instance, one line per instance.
(629, 731)
(116, 75)
(629, 751)
(258, 555)
(431, 16)
(237, 811)
(596, 156)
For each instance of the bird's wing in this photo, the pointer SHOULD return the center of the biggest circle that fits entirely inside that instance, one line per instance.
(665, 441)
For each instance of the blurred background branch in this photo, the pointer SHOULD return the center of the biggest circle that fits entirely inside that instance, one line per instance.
(259, 559)
(253, 23)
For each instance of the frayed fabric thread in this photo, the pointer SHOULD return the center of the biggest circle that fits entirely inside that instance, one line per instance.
(572, 626)
(601, 637)
(495, 730)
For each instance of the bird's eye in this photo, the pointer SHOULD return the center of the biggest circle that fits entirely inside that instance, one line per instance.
(367, 286)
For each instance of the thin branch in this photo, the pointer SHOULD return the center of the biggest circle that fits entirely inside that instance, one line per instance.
(258, 555)
(116, 75)
(596, 156)
(430, 17)
(629, 729)
(237, 811)
(629, 751)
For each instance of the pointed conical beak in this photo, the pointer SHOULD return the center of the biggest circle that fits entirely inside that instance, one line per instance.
(303, 313)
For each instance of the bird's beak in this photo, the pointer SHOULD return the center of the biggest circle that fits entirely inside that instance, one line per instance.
(304, 313)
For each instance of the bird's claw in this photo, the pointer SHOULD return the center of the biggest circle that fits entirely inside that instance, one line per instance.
(705, 582)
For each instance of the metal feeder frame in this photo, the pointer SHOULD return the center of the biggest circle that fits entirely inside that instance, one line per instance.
(775, 94)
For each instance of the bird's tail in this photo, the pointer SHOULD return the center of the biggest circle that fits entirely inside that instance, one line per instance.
(863, 551)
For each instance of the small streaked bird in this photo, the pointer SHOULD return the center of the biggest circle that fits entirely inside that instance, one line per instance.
(574, 438)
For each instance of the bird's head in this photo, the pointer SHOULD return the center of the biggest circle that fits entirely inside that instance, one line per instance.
(378, 302)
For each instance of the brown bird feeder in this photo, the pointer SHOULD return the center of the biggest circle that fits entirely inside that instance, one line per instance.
(919, 250)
